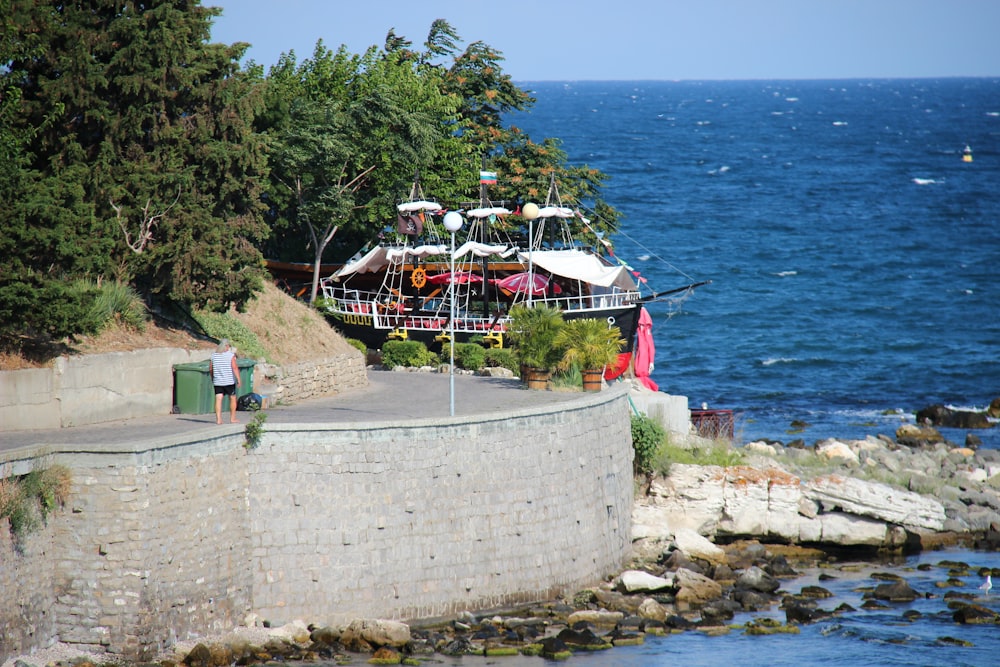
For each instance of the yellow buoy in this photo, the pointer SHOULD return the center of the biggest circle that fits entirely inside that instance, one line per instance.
(967, 155)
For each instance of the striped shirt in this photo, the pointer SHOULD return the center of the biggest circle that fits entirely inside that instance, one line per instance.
(222, 369)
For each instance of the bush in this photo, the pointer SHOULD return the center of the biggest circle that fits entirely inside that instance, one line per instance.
(717, 453)
(501, 357)
(407, 353)
(469, 356)
(647, 437)
(115, 301)
(357, 344)
(222, 325)
(27, 501)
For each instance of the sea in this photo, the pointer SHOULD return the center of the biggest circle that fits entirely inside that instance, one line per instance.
(854, 257)
(853, 250)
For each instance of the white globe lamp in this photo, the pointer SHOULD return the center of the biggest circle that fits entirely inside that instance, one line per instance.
(453, 221)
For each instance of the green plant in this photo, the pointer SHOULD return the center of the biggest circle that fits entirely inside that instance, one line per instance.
(112, 301)
(567, 378)
(648, 436)
(407, 353)
(27, 501)
(588, 343)
(469, 356)
(718, 453)
(501, 357)
(533, 333)
(254, 430)
(357, 344)
(223, 325)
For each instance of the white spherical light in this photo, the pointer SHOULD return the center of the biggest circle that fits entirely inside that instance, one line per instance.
(453, 221)
(529, 211)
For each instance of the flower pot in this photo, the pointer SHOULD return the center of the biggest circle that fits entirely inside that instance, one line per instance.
(592, 379)
(536, 378)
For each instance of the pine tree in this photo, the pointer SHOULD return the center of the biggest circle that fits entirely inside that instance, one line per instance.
(140, 161)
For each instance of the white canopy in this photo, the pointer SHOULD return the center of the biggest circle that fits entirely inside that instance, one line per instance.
(380, 257)
(555, 212)
(486, 212)
(411, 206)
(576, 264)
(483, 249)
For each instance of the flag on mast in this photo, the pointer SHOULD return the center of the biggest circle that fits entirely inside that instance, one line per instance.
(488, 177)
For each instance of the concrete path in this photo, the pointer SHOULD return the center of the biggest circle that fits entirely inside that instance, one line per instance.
(389, 396)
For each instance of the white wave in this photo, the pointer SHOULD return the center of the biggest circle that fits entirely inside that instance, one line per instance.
(995, 114)
(783, 274)
(924, 181)
(778, 360)
(643, 258)
(839, 123)
(791, 99)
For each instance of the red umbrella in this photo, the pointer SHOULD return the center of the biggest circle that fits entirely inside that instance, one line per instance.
(461, 278)
(645, 350)
(518, 282)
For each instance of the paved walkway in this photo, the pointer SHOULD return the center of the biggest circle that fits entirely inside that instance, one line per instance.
(389, 396)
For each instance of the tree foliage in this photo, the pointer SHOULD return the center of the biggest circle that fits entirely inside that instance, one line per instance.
(135, 158)
(133, 149)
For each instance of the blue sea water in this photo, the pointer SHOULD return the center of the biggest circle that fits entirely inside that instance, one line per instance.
(854, 256)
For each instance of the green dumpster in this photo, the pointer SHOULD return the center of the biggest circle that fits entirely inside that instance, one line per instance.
(245, 367)
(193, 390)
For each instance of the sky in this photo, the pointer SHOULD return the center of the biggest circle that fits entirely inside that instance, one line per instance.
(574, 40)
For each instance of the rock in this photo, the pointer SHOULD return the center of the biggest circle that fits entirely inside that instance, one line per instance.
(694, 588)
(913, 435)
(975, 614)
(633, 581)
(377, 632)
(939, 415)
(652, 609)
(751, 600)
(836, 450)
(199, 656)
(877, 501)
(802, 612)
(897, 591)
(582, 637)
(694, 545)
(600, 617)
(756, 579)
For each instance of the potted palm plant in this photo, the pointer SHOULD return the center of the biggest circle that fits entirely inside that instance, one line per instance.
(532, 331)
(590, 345)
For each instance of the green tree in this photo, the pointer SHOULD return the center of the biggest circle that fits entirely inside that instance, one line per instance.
(140, 161)
(349, 132)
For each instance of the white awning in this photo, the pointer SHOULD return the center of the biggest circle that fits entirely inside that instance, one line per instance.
(483, 250)
(411, 206)
(555, 212)
(382, 256)
(580, 265)
(486, 212)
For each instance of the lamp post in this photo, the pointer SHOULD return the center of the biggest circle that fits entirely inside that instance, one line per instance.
(530, 213)
(452, 222)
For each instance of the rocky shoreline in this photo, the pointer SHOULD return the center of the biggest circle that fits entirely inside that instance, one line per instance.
(709, 542)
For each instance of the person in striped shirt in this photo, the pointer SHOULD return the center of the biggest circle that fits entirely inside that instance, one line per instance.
(225, 377)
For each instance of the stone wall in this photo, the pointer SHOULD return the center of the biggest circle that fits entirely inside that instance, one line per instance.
(167, 540)
(90, 389)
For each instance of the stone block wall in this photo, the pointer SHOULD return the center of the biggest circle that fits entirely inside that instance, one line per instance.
(404, 520)
(164, 541)
(90, 389)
